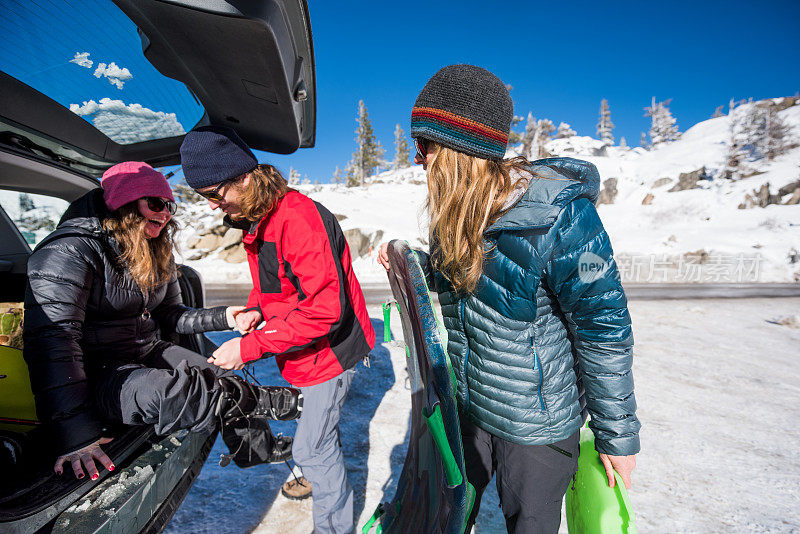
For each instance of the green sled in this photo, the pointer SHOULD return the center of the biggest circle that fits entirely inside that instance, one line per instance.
(592, 506)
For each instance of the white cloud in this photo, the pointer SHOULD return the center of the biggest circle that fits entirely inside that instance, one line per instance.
(82, 59)
(129, 123)
(116, 75)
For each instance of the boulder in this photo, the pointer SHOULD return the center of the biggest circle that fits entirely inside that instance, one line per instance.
(698, 257)
(197, 255)
(688, 180)
(193, 241)
(339, 216)
(358, 242)
(219, 230)
(231, 239)
(608, 193)
(234, 254)
(648, 199)
(794, 199)
(789, 188)
(209, 242)
(760, 197)
(661, 182)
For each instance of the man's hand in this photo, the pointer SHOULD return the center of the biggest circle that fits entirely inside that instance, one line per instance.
(247, 321)
(228, 355)
(230, 314)
(622, 465)
(87, 456)
(383, 256)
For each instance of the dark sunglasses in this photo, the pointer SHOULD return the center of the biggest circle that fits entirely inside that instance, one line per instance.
(422, 148)
(157, 205)
(214, 195)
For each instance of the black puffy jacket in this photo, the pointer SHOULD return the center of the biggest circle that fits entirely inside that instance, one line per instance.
(83, 311)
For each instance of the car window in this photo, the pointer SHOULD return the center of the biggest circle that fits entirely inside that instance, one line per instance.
(87, 56)
(35, 216)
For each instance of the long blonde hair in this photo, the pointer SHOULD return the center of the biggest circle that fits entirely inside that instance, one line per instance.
(267, 186)
(466, 195)
(149, 261)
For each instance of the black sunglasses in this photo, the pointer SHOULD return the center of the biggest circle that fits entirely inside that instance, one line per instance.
(214, 195)
(422, 148)
(157, 205)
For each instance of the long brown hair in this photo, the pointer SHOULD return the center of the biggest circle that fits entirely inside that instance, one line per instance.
(267, 186)
(149, 261)
(466, 195)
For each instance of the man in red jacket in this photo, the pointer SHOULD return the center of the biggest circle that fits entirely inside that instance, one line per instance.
(305, 298)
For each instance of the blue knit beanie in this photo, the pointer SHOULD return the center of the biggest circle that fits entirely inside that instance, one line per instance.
(212, 154)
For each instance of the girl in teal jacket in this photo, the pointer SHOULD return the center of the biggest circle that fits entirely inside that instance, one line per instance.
(539, 333)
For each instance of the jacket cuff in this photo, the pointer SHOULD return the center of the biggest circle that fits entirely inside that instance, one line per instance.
(220, 320)
(619, 446)
(76, 432)
(249, 349)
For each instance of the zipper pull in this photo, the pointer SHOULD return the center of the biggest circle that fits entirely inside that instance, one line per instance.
(146, 314)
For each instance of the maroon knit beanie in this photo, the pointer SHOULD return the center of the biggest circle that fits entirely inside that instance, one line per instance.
(132, 180)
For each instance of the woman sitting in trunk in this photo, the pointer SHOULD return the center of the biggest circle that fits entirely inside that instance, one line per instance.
(100, 289)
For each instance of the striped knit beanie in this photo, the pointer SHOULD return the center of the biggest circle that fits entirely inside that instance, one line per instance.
(465, 108)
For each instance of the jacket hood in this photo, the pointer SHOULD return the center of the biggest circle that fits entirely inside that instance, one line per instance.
(556, 182)
(86, 212)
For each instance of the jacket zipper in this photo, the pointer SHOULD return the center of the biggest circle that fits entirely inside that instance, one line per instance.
(537, 363)
(466, 344)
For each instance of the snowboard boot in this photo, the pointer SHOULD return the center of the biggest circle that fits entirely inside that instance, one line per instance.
(242, 399)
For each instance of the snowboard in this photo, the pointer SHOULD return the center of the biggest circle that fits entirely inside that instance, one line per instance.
(433, 494)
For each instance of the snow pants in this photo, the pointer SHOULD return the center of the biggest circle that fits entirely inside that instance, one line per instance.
(531, 479)
(172, 388)
(317, 449)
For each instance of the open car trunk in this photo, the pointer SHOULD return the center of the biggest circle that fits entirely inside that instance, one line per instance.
(153, 474)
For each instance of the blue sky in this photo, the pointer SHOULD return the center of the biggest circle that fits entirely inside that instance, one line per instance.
(561, 57)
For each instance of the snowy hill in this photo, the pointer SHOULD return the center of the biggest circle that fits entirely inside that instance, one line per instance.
(693, 235)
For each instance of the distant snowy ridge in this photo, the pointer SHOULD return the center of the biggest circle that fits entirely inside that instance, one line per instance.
(660, 233)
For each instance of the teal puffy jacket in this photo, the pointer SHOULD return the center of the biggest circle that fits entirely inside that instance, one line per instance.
(549, 317)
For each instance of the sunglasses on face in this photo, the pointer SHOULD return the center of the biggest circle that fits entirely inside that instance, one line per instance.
(157, 205)
(214, 194)
(422, 148)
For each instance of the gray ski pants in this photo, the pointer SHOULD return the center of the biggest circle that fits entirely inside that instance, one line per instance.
(317, 450)
(172, 388)
(531, 479)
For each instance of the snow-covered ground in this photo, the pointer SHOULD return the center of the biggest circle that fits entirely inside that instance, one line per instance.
(716, 384)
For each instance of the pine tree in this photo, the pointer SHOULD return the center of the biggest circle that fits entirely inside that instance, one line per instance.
(369, 151)
(294, 176)
(401, 150)
(775, 140)
(623, 143)
(528, 136)
(643, 141)
(564, 131)
(663, 127)
(757, 132)
(537, 133)
(604, 125)
(337, 176)
(718, 112)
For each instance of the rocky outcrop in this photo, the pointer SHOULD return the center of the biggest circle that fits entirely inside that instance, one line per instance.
(360, 242)
(609, 192)
(688, 180)
(648, 199)
(787, 195)
(661, 182)
(228, 241)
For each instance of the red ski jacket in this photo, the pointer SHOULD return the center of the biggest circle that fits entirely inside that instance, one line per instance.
(317, 324)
